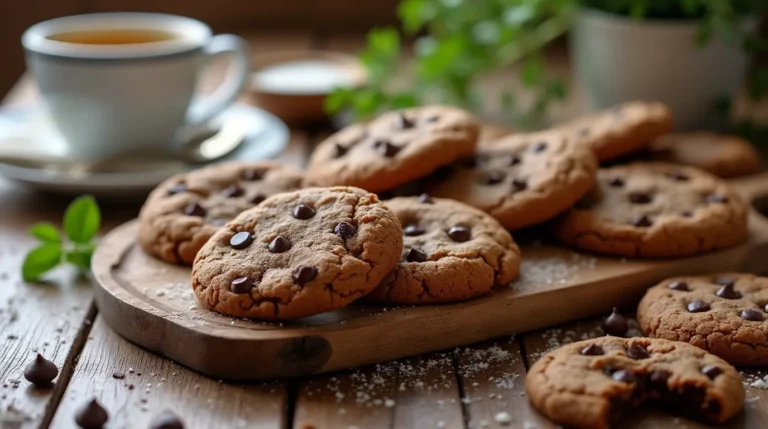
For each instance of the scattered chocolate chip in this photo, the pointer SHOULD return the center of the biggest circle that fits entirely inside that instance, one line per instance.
(615, 324)
(118, 375)
(514, 160)
(403, 122)
(725, 281)
(519, 185)
(728, 292)
(752, 314)
(91, 415)
(303, 212)
(640, 198)
(232, 191)
(413, 230)
(415, 255)
(660, 377)
(433, 119)
(492, 177)
(279, 245)
(195, 209)
(257, 198)
(686, 214)
(637, 352)
(716, 199)
(339, 150)
(616, 182)
(167, 419)
(711, 371)
(678, 176)
(241, 285)
(679, 285)
(592, 350)
(345, 230)
(698, 306)
(425, 199)
(252, 175)
(177, 188)
(460, 233)
(241, 240)
(41, 371)
(624, 376)
(386, 148)
(643, 222)
(538, 147)
(304, 274)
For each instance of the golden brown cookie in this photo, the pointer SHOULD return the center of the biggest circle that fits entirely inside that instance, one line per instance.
(394, 148)
(183, 212)
(621, 130)
(722, 155)
(451, 252)
(655, 210)
(724, 314)
(591, 384)
(298, 254)
(521, 180)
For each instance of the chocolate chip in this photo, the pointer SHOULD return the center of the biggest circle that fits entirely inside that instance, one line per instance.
(640, 198)
(339, 150)
(433, 119)
(716, 199)
(279, 245)
(725, 281)
(345, 230)
(538, 147)
(615, 324)
(679, 285)
(698, 306)
(413, 230)
(415, 255)
(519, 185)
(304, 274)
(252, 175)
(592, 350)
(177, 188)
(492, 177)
(257, 198)
(303, 212)
(686, 214)
(166, 420)
(118, 375)
(241, 240)
(643, 222)
(678, 176)
(241, 285)
(91, 415)
(232, 191)
(616, 182)
(660, 377)
(386, 148)
(41, 371)
(425, 199)
(637, 352)
(460, 233)
(403, 122)
(195, 209)
(711, 371)
(728, 292)
(514, 160)
(752, 314)
(624, 376)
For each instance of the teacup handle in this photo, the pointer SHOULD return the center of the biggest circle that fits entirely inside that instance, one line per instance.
(210, 106)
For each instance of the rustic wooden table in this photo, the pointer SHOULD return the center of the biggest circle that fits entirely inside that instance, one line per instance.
(463, 388)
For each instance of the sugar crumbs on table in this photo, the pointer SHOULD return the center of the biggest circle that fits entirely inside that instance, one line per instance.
(440, 424)
(503, 418)
(551, 271)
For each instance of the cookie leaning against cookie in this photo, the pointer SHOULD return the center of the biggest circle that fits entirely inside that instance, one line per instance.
(722, 155)
(589, 384)
(298, 254)
(521, 180)
(183, 212)
(451, 252)
(723, 313)
(655, 210)
(393, 149)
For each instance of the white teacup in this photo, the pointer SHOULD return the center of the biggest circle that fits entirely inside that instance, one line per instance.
(124, 82)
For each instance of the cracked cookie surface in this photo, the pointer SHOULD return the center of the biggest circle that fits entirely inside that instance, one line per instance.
(722, 313)
(451, 252)
(183, 212)
(589, 384)
(722, 155)
(393, 149)
(620, 130)
(520, 180)
(298, 254)
(655, 210)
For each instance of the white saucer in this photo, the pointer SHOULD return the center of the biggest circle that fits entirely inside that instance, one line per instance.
(266, 137)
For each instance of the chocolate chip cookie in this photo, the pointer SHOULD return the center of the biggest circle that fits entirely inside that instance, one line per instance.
(183, 212)
(451, 252)
(590, 384)
(724, 314)
(655, 210)
(722, 155)
(521, 180)
(394, 148)
(298, 254)
(621, 130)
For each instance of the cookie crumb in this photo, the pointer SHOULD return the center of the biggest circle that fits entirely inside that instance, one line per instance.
(503, 418)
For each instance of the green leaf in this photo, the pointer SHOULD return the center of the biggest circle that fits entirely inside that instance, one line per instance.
(337, 100)
(412, 14)
(45, 232)
(82, 219)
(532, 71)
(81, 257)
(40, 260)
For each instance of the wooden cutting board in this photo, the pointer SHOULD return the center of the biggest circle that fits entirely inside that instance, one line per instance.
(152, 304)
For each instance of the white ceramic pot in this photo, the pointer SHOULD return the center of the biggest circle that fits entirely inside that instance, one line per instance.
(619, 59)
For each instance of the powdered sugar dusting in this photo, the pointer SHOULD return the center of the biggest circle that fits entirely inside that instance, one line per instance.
(554, 271)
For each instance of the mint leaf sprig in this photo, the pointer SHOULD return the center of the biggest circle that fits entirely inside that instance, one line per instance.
(81, 223)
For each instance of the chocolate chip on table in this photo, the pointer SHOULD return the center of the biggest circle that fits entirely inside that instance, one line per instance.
(519, 185)
(303, 212)
(195, 209)
(728, 292)
(538, 147)
(413, 230)
(339, 150)
(716, 199)
(386, 148)
(514, 160)
(640, 198)
(460, 233)
(711, 371)
(679, 285)
(637, 352)
(492, 177)
(177, 188)
(91, 415)
(41, 371)
(415, 255)
(698, 306)
(345, 230)
(257, 198)
(241, 285)
(624, 376)
(403, 122)
(167, 419)
(615, 324)
(252, 175)
(241, 240)
(616, 182)
(304, 274)
(752, 314)
(660, 377)
(279, 244)
(118, 375)
(678, 176)
(592, 350)
(643, 222)
(425, 199)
